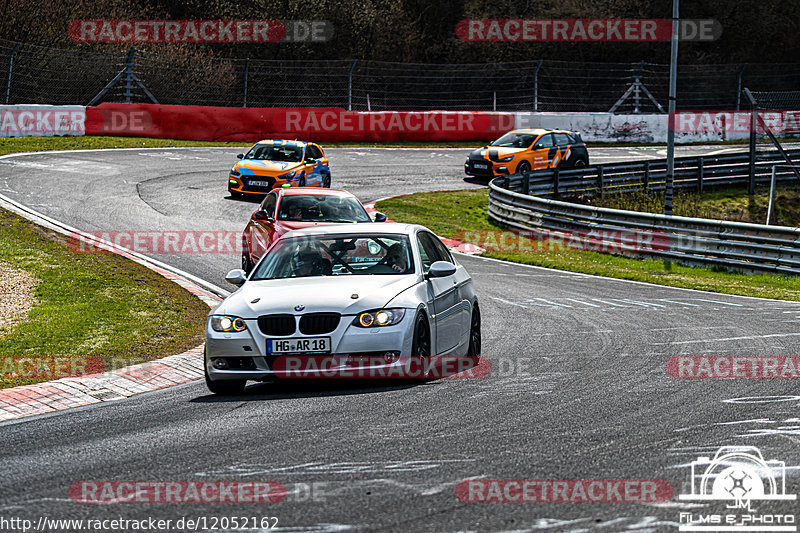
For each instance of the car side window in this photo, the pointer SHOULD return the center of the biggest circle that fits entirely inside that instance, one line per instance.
(269, 203)
(316, 153)
(431, 249)
(562, 139)
(426, 251)
(442, 253)
(545, 141)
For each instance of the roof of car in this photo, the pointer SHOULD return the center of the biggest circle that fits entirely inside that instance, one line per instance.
(281, 142)
(538, 131)
(365, 228)
(315, 191)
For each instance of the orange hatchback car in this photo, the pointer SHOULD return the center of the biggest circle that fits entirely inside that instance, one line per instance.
(531, 149)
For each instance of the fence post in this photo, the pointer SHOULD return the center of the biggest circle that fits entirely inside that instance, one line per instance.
(600, 180)
(246, 75)
(699, 174)
(536, 85)
(350, 85)
(638, 84)
(555, 184)
(646, 175)
(10, 70)
(129, 74)
(526, 183)
(739, 86)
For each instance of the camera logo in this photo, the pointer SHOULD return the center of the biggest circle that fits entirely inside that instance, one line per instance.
(737, 476)
(738, 473)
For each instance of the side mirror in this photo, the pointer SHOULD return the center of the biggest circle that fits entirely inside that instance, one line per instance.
(262, 215)
(441, 269)
(380, 217)
(236, 277)
(240, 156)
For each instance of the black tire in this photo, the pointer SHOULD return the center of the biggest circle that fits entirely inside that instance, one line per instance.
(523, 167)
(579, 163)
(474, 349)
(421, 347)
(235, 194)
(224, 388)
(326, 181)
(302, 182)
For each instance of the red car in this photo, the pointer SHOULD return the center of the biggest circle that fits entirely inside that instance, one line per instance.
(291, 208)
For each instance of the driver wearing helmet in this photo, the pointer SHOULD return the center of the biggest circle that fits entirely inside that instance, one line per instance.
(309, 262)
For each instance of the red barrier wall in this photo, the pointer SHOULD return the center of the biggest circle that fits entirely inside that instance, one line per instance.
(307, 123)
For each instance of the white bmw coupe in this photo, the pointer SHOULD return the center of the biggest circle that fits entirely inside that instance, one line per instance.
(344, 301)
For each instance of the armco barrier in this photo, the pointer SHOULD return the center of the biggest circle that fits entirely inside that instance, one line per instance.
(318, 124)
(695, 241)
(690, 173)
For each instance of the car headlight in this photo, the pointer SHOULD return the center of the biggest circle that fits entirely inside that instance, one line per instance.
(235, 173)
(506, 159)
(288, 175)
(379, 317)
(228, 323)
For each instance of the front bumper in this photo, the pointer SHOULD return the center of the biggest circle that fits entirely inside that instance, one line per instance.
(354, 350)
(242, 185)
(492, 169)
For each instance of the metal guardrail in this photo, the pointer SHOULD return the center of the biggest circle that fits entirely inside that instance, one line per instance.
(690, 173)
(694, 241)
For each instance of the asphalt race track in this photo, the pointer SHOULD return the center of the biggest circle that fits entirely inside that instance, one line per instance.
(578, 388)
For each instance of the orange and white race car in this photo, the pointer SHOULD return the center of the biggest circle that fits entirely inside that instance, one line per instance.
(270, 164)
(530, 149)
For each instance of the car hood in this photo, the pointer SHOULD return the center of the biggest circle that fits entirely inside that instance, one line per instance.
(317, 294)
(290, 225)
(267, 167)
(494, 153)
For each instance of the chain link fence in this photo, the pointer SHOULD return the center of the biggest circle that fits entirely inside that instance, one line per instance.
(40, 75)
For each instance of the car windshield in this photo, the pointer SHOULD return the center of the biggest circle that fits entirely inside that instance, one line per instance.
(322, 208)
(514, 140)
(337, 255)
(276, 152)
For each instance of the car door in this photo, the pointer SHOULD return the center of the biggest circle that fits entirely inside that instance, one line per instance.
(315, 166)
(262, 232)
(463, 307)
(542, 151)
(442, 293)
(562, 149)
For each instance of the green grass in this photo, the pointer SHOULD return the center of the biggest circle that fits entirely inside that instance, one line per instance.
(38, 144)
(724, 204)
(451, 214)
(91, 305)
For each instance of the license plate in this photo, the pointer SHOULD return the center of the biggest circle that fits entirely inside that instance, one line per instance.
(259, 183)
(301, 344)
(480, 165)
